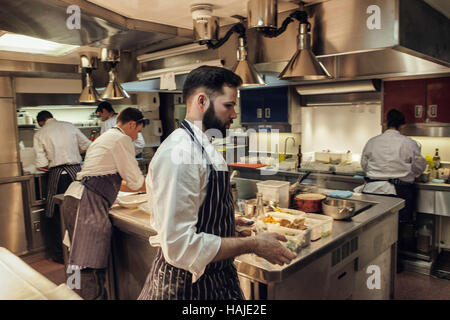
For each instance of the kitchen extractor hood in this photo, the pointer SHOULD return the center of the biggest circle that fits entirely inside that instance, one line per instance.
(98, 27)
(339, 87)
(340, 93)
(363, 39)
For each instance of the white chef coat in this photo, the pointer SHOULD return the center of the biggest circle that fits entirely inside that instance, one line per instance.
(139, 143)
(177, 183)
(58, 143)
(391, 155)
(110, 153)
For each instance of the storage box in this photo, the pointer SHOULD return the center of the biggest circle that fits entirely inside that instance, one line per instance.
(274, 190)
(321, 224)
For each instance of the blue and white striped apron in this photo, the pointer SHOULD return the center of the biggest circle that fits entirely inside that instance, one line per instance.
(215, 216)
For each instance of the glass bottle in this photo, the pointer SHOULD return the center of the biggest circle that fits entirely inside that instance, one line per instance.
(437, 160)
(299, 158)
(259, 212)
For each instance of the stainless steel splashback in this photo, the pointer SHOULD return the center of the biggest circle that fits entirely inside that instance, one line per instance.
(9, 155)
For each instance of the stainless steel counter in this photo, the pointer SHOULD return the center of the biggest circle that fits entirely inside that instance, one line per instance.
(263, 271)
(136, 224)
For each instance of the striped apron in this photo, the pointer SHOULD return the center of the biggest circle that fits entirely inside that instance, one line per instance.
(53, 180)
(215, 216)
(92, 229)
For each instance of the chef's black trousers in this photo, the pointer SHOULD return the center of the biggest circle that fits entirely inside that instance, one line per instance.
(51, 226)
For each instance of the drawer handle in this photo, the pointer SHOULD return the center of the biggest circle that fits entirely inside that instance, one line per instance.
(342, 275)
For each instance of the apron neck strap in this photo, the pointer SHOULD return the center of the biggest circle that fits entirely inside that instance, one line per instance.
(185, 125)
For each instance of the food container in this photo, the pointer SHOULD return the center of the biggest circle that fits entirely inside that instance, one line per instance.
(276, 191)
(309, 202)
(319, 224)
(297, 239)
(131, 201)
(338, 209)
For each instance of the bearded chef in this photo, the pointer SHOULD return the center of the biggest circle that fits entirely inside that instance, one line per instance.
(108, 117)
(109, 166)
(57, 149)
(193, 212)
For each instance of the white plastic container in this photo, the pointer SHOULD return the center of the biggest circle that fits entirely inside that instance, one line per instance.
(274, 190)
(321, 224)
(301, 238)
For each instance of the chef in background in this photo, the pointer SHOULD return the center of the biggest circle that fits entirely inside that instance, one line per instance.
(108, 116)
(391, 162)
(57, 148)
(109, 166)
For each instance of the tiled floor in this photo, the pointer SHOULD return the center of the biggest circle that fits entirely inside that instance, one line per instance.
(416, 286)
(51, 270)
(408, 285)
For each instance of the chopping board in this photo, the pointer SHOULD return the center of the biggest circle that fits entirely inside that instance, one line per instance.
(247, 165)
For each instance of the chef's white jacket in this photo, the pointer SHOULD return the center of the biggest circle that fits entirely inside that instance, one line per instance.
(139, 143)
(177, 183)
(111, 153)
(391, 155)
(58, 143)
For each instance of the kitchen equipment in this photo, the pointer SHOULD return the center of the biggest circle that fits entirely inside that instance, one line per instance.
(276, 191)
(319, 224)
(293, 189)
(247, 165)
(250, 207)
(333, 157)
(309, 202)
(443, 173)
(13, 205)
(338, 209)
(424, 240)
(424, 177)
(132, 201)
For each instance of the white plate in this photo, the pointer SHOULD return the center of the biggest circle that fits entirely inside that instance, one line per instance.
(132, 201)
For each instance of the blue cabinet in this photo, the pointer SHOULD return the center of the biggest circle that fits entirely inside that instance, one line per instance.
(264, 105)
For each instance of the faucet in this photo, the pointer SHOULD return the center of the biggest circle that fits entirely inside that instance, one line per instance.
(285, 144)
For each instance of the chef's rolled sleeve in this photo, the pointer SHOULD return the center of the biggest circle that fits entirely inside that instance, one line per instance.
(126, 163)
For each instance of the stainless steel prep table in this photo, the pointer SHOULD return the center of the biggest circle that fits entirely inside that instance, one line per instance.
(373, 233)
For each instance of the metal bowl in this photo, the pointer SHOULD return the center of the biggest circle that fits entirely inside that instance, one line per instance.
(338, 209)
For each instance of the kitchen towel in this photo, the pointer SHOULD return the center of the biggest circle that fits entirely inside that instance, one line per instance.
(340, 194)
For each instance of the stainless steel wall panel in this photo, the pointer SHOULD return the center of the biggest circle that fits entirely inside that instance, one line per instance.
(425, 201)
(5, 87)
(8, 132)
(12, 222)
(442, 204)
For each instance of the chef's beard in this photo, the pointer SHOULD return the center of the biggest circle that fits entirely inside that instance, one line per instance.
(211, 121)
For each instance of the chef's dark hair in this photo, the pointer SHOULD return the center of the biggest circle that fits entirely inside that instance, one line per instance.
(132, 114)
(104, 105)
(395, 119)
(211, 78)
(43, 116)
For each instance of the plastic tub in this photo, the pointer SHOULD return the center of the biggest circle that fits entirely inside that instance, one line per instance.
(325, 222)
(302, 238)
(274, 190)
